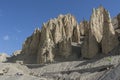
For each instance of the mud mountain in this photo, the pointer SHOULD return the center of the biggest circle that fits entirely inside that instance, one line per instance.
(64, 49)
(64, 39)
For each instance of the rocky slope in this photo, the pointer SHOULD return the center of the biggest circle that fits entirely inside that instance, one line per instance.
(102, 67)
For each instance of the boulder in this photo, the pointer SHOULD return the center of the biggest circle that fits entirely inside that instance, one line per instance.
(3, 57)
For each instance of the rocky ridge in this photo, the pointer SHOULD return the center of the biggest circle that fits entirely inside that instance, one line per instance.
(62, 38)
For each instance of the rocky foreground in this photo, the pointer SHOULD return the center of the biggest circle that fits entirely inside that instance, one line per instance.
(100, 68)
(63, 49)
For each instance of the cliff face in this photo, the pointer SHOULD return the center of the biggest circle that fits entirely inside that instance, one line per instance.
(62, 38)
(101, 36)
(54, 39)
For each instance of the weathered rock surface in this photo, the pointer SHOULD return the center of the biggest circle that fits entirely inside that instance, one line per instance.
(118, 18)
(97, 22)
(90, 46)
(76, 34)
(30, 46)
(3, 57)
(109, 40)
(57, 35)
(83, 27)
(16, 53)
(62, 38)
(52, 40)
(101, 37)
(44, 53)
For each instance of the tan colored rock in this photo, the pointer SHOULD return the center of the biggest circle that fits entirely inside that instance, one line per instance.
(83, 27)
(57, 31)
(109, 40)
(45, 47)
(100, 31)
(90, 46)
(42, 44)
(96, 23)
(30, 48)
(103, 30)
(31, 44)
(76, 34)
(3, 57)
(16, 53)
(65, 48)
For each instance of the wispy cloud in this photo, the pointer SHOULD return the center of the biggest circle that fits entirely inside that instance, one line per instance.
(6, 37)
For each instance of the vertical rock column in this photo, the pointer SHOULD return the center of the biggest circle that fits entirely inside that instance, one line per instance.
(45, 47)
(109, 40)
(89, 47)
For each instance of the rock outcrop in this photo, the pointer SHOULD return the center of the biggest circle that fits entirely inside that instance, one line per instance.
(101, 37)
(90, 46)
(56, 38)
(62, 38)
(118, 18)
(53, 40)
(83, 27)
(3, 57)
(16, 53)
(109, 40)
(30, 46)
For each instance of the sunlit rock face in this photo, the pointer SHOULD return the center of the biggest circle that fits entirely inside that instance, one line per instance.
(30, 47)
(109, 40)
(90, 46)
(104, 32)
(31, 44)
(101, 34)
(3, 57)
(54, 39)
(116, 25)
(83, 27)
(62, 38)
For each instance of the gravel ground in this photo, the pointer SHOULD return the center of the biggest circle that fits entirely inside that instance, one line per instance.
(93, 69)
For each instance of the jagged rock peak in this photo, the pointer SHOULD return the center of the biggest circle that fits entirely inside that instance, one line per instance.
(62, 26)
(36, 30)
(84, 27)
(55, 41)
(96, 22)
(62, 29)
(101, 37)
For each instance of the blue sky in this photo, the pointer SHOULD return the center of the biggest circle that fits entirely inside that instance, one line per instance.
(19, 18)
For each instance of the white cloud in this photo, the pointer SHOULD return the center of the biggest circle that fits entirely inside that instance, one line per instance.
(6, 37)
